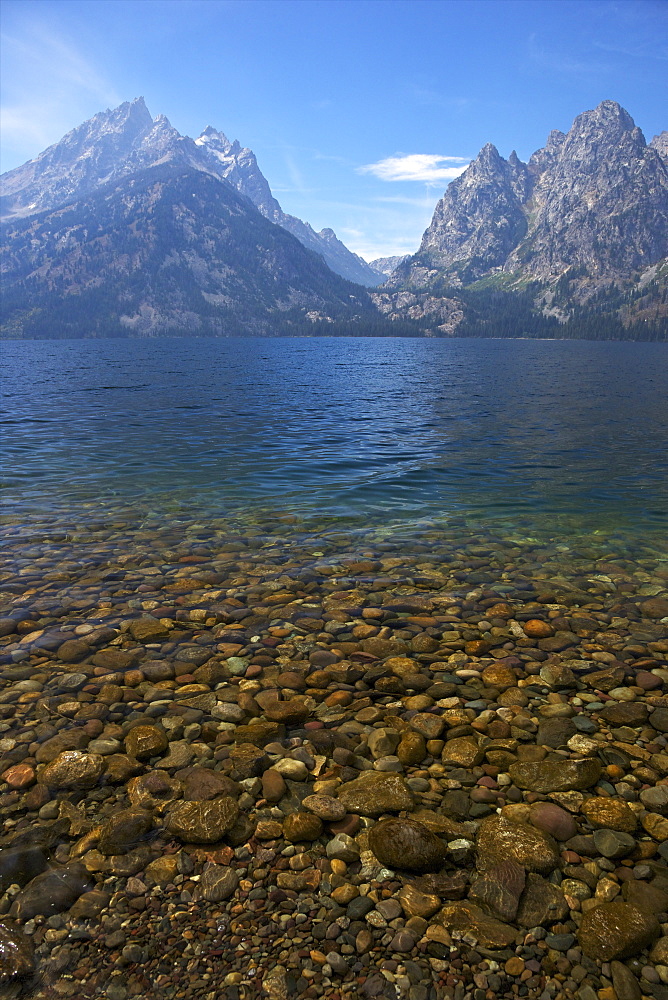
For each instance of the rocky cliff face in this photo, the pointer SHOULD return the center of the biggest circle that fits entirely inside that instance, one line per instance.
(585, 218)
(115, 144)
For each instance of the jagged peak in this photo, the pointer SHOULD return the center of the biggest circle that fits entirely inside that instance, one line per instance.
(607, 114)
(212, 137)
(555, 139)
(135, 110)
(660, 143)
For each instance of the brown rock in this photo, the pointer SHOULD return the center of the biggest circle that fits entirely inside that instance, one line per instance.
(155, 790)
(147, 630)
(302, 826)
(119, 768)
(144, 742)
(123, 831)
(259, 733)
(201, 784)
(375, 793)
(500, 839)
(218, 882)
(463, 752)
(162, 870)
(444, 886)
(249, 761)
(656, 826)
(273, 785)
(290, 713)
(407, 845)
(441, 824)
(557, 675)
(402, 666)
(328, 808)
(73, 651)
(556, 776)
(113, 659)
(19, 776)
(428, 725)
(625, 713)
(605, 680)
(659, 720)
(609, 813)
(537, 629)
(624, 983)
(616, 930)
(202, 822)
(51, 892)
(541, 903)
(499, 675)
(553, 819)
(16, 954)
(71, 739)
(555, 732)
(499, 889)
(650, 898)
(73, 769)
(469, 919)
(418, 904)
(655, 607)
(383, 648)
(412, 749)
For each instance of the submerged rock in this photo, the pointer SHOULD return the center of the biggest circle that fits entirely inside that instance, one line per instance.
(406, 845)
(202, 822)
(500, 839)
(16, 952)
(375, 793)
(616, 930)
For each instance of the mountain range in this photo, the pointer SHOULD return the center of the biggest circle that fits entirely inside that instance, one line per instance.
(125, 227)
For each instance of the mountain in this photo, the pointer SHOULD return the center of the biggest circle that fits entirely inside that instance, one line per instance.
(386, 266)
(127, 228)
(578, 232)
(239, 167)
(166, 250)
(115, 144)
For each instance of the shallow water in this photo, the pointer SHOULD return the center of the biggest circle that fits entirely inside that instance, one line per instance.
(362, 431)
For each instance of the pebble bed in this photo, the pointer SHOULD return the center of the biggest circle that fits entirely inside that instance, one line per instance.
(273, 760)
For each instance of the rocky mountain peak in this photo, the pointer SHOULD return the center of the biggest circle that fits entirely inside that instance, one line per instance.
(488, 159)
(660, 144)
(214, 139)
(587, 216)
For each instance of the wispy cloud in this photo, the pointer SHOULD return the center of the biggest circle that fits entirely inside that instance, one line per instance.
(434, 98)
(645, 50)
(51, 86)
(425, 167)
(560, 62)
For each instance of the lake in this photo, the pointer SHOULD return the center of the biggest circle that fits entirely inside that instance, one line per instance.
(361, 431)
(256, 594)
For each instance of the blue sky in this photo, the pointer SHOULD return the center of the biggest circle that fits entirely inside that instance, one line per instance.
(359, 111)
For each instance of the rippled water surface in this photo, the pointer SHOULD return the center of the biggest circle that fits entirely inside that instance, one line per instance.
(358, 430)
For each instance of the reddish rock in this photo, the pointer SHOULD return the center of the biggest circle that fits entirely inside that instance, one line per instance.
(19, 776)
(553, 820)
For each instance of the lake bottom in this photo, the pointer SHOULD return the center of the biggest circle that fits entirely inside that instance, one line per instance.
(263, 754)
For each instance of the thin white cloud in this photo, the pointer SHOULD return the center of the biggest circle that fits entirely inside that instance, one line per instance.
(425, 167)
(51, 86)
